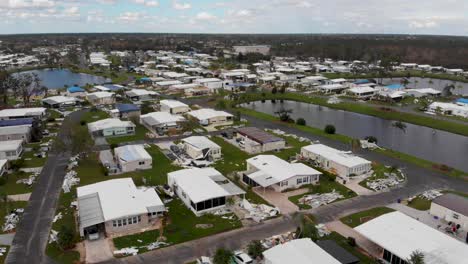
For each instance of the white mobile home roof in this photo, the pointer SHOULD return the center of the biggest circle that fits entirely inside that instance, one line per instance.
(206, 80)
(10, 130)
(299, 251)
(120, 198)
(172, 103)
(362, 89)
(200, 142)
(168, 83)
(140, 92)
(207, 113)
(156, 118)
(109, 123)
(341, 157)
(198, 184)
(402, 235)
(132, 153)
(20, 112)
(272, 170)
(59, 99)
(10, 145)
(99, 95)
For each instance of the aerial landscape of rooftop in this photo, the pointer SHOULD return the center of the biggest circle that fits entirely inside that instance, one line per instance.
(234, 132)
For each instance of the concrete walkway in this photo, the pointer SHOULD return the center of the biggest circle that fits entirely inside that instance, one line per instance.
(19, 197)
(355, 187)
(7, 239)
(361, 241)
(277, 199)
(98, 251)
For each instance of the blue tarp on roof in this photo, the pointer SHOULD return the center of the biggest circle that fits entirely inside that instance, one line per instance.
(145, 79)
(463, 100)
(75, 89)
(363, 81)
(395, 86)
(123, 108)
(16, 122)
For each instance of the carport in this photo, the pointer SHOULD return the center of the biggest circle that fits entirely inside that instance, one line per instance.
(90, 214)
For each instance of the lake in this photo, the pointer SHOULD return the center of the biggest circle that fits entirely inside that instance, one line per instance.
(58, 78)
(419, 141)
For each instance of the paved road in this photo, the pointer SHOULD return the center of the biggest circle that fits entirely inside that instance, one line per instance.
(235, 239)
(32, 233)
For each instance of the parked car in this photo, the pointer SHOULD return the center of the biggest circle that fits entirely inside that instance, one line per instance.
(242, 258)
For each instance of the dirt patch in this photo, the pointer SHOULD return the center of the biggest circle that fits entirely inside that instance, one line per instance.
(204, 226)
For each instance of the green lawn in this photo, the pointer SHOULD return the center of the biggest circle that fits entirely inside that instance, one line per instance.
(379, 173)
(140, 134)
(420, 203)
(233, 158)
(181, 227)
(343, 242)
(325, 186)
(31, 161)
(92, 116)
(6, 208)
(356, 219)
(3, 258)
(11, 187)
(53, 114)
(62, 257)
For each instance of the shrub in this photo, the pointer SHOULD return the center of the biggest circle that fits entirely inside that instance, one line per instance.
(255, 248)
(330, 129)
(83, 123)
(65, 238)
(351, 241)
(371, 139)
(50, 119)
(274, 90)
(222, 256)
(301, 121)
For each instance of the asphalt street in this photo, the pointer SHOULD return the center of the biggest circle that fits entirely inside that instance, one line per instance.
(33, 231)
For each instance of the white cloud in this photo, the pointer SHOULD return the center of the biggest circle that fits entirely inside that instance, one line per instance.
(423, 24)
(181, 6)
(146, 3)
(205, 16)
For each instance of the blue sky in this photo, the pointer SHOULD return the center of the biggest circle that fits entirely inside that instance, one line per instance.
(445, 17)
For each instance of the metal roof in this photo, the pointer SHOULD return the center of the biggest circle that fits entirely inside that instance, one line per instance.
(16, 122)
(332, 248)
(258, 135)
(123, 108)
(89, 210)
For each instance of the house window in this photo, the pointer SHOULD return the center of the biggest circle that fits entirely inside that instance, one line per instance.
(299, 181)
(284, 183)
(119, 222)
(141, 163)
(114, 223)
(305, 179)
(139, 218)
(124, 222)
(134, 219)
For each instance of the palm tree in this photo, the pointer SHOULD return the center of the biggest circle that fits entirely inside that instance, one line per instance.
(417, 257)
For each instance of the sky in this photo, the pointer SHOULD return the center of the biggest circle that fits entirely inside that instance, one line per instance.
(436, 17)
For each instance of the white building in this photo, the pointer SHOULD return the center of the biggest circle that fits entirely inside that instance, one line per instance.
(362, 91)
(332, 88)
(271, 171)
(208, 116)
(201, 148)
(162, 122)
(298, 251)
(111, 127)
(423, 92)
(21, 132)
(11, 150)
(342, 163)
(202, 190)
(117, 207)
(449, 109)
(132, 158)
(174, 107)
(16, 113)
(211, 83)
(262, 49)
(399, 235)
(452, 208)
(59, 101)
(101, 98)
(254, 140)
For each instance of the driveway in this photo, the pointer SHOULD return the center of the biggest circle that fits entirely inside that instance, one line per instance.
(98, 250)
(277, 199)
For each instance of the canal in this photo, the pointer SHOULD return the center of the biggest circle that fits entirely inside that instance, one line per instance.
(419, 141)
(59, 78)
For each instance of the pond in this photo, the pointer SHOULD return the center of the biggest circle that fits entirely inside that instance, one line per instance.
(419, 141)
(59, 78)
(461, 88)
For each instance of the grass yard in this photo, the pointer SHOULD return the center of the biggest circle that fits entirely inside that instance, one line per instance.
(68, 220)
(6, 208)
(31, 161)
(343, 242)
(92, 116)
(325, 186)
(233, 158)
(11, 187)
(356, 219)
(54, 114)
(181, 227)
(420, 203)
(3, 258)
(140, 134)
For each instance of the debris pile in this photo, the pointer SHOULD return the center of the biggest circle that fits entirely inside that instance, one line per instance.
(316, 200)
(259, 212)
(333, 100)
(431, 194)
(3, 251)
(57, 217)
(368, 145)
(156, 245)
(278, 239)
(11, 220)
(73, 162)
(130, 251)
(282, 133)
(391, 180)
(322, 230)
(53, 236)
(28, 181)
(70, 180)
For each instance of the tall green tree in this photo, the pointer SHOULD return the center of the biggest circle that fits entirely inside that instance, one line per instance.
(222, 256)
(417, 257)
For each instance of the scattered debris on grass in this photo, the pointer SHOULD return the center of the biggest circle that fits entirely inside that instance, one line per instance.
(70, 180)
(333, 100)
(3, 251)
(57, 217)
(322, 230)
(278, 239)
(53, 236)
(282, 133)
(390, 180)
(130, 251)
(368, 145)
(11, 220)
(428, 195)
(319, 199)
(28, 181)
